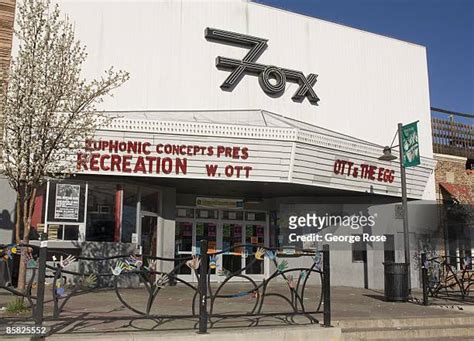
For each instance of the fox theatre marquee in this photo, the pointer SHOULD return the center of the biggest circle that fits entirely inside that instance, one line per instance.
(284, 154)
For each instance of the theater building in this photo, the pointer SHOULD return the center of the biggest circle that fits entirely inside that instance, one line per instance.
(236, 117)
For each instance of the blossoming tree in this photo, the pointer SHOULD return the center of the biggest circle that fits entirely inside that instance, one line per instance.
(48, 109)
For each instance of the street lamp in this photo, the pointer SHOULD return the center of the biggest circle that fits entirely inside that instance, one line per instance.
(388, 156)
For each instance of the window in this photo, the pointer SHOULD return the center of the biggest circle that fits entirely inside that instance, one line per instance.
(63, 232)
(232, 215)
(359, 252)
(149, 200)
(255, 216)
(100, 212)
(206, 214)
(470, 164)
(65, 212)
(182, 212)
(129, 213)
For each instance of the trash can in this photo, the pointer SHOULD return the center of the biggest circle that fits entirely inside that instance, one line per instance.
(396, 281)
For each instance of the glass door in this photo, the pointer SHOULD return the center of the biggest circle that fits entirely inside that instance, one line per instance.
(242, 227)
(183, 247)
(223, 229)
(207, 231)
(232, 259)
(254, 235)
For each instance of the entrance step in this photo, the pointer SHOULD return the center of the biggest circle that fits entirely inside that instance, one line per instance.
(454, 338)
(409, 333)
(408, 322)
(445, 328)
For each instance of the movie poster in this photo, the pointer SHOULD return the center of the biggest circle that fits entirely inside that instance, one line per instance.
(67, 201)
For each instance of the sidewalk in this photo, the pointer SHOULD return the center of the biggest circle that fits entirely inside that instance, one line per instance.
(102, 312)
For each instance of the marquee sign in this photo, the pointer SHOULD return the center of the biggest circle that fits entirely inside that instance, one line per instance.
(143, 158)
(281, 157)
(364, 171)
(265, 72)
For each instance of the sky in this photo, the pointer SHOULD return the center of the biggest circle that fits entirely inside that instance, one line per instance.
(445, 27)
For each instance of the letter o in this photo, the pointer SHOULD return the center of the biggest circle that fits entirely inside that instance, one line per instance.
(229, 171)
(278, 75)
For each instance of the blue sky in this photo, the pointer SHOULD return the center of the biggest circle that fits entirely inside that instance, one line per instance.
(445, 27)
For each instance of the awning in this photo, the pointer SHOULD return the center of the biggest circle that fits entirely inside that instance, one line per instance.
(461, 193)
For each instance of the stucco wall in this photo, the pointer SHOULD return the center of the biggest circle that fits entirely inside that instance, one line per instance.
(7, 211)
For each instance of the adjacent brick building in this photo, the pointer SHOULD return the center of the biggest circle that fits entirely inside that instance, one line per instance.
(7, 17)
(453, 144)
(7, 14)
(453, 147)
(7, 197)
(453, 170)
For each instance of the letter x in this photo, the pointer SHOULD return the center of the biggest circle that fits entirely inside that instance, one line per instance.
(306, 85)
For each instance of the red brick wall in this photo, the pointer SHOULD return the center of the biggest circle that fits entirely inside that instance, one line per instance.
(7, 17)
(7, 14)
(452, 169)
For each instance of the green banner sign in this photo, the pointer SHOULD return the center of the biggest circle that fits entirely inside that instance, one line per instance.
(410, 145)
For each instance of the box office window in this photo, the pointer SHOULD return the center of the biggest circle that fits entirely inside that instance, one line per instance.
(100, 213)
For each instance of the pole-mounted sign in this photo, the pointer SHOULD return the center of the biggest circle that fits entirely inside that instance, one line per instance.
(248, 65)
(410, 145)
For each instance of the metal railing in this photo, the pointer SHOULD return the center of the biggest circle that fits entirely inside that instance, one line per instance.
(452, 133)
(448, 277)
(204, 296)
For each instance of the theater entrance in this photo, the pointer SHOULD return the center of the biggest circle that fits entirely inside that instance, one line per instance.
(222, 229)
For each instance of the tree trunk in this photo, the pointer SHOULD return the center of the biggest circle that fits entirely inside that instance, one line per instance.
(22, 274)
(28, 207)
(18, 218)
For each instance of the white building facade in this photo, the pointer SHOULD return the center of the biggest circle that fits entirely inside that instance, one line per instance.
(237, 116)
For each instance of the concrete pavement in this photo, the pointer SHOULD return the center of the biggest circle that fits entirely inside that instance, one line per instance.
(100, 315)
